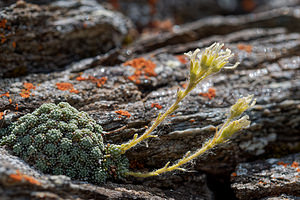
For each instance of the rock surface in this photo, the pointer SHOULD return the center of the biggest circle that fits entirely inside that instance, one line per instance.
(32, 35)
(272, 177)
(267, 45)
(19, 181)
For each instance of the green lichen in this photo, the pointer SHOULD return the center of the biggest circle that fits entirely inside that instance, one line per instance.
(58, 139)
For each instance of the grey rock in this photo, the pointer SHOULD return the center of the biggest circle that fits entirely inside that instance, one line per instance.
(49, 37)
(269, 69)
(274, 178)
(20, 181)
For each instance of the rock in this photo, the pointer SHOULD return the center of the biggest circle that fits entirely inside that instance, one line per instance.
(18, 180)
(102, 85)
(218, 25)
(49, 37)
(146, 13)
(270, 76)
(274, 178)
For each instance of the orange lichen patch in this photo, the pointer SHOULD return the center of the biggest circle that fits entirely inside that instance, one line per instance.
(156, 105)
(29, 86)
(14, 44)
(3, 40)
(182, 59)
(123, 113)
(98, 81)
(142, 67)
(262, 183)
(3, 26)
(192, 120)
(244, 47)
(1, 115)
(233, 174)
(5, 94)
(184, 85)
(282, 163)
(210, 94)
(25, 93)
(74, 91)
(80, 78)
(3, 23)
(19, 177)
(66, 86)
(295, 164)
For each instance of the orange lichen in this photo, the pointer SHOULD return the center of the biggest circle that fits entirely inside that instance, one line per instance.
(182, 58)
(247, 48)
(184, 85)
(233, 174)
(192, 120)
(3, 40)
(5, 94)
(29, 86)
(19, 177)
(295, 164)
(123, 113)
(3, 23)
(98, 81)
(1, 115)
(282, 163)
(156, 105)
(210, 94)
(262, 182)
(25, 93)
(66, 86)
(80, 78)
(142, 67)
(3, 26)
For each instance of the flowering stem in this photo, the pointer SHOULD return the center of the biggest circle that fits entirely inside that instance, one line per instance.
(158, 120)
(211, 61)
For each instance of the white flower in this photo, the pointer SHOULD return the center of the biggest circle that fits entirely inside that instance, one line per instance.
(212, 60)
(241, 105)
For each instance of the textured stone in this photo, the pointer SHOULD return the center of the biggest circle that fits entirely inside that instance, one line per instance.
(274, 178)
(19, 181)
(49, 37)
(269, 69)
